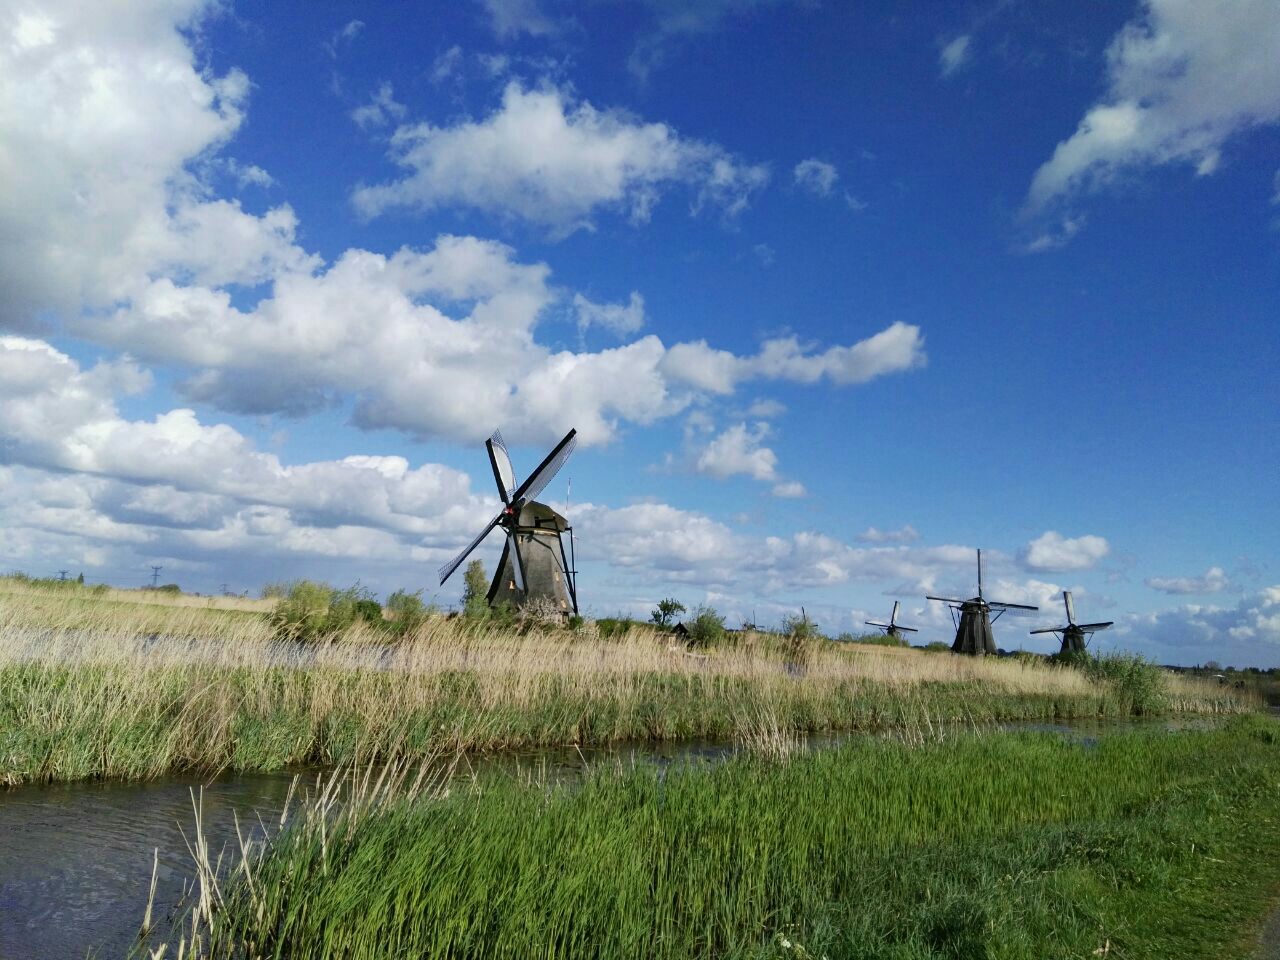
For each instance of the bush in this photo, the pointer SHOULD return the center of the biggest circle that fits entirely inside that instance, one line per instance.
(937, 646)
(1135, 678)
(407, 610)
(311, 610)
(706, 628)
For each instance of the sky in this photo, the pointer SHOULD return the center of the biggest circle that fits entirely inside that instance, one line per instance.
(834, 294)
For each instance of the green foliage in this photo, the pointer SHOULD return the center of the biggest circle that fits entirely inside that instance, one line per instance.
(311, 610)
(665, 612)
(612, 627)
(937, 646)
(475, 590)
(1016, 846)
(706, 628)
(170, 588)
(407, 610)
(1137, 680)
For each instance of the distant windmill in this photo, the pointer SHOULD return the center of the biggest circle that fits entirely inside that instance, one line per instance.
(1073, 634)
(892, 628)
(973, 625)
(533, 564)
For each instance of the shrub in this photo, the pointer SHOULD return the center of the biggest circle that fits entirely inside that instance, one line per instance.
(706, 628)
(313, 610)
(1135, 678)
(407, 610)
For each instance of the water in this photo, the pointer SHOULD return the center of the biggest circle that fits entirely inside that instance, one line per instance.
(76, 859)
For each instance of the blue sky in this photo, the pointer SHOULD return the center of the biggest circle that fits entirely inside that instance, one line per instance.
(834, 295)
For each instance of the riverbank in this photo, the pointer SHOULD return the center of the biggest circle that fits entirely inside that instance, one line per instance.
(89, 690)
(1141, 845)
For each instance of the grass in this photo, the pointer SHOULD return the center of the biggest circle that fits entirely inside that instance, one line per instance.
(1144, 845)
(91, 686)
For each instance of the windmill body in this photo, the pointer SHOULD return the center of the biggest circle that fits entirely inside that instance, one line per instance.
(973, 620)
(1074, 636)
(893, 628)
(542, 557)
(534, 567)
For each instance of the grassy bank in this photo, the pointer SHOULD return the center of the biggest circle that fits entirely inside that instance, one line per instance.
(1145, 845)
(95, 687)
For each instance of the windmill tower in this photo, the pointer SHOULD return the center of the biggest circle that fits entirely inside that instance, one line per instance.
(973, 619)
(1074, 635)
(892, 628)
(534, 565)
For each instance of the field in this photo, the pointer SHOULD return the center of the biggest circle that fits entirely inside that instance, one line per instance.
(1143, 845)
(95, 685)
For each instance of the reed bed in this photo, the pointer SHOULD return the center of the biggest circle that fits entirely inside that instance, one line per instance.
(93, 687)
(1143, 845)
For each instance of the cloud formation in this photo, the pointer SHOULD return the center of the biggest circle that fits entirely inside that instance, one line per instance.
(1183, 79)
(1051, 551)
(954, 54)
(816, 177)
(1213, 580)
(545, 158)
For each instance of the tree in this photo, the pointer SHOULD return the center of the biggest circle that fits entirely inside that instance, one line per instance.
(665, 612)
(475, 592)
(707, 627)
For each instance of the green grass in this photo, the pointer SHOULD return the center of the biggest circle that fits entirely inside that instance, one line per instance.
(1144, 845)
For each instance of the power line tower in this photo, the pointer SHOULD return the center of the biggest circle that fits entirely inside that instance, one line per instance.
(155, 576)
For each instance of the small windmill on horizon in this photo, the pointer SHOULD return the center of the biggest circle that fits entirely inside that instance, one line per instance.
(973, 619)
(1074, 636)
(893, 628)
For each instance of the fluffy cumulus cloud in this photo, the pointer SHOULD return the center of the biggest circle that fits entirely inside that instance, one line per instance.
(548, 159)
(1052, 551)
(740, 451)
(101, 108)
(1183, 78)
(1246, 634)
(1213, 580)
(904, 534)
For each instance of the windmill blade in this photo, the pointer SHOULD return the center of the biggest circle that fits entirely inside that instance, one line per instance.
(943, 599)
(1010, 606)
(876, 623)
(898, 626)
(1071, 607)
(1095, 627)
(1049, 630)
(517, 565)
(893, 617)
(547, 470)
(504, 473)
(447, 570)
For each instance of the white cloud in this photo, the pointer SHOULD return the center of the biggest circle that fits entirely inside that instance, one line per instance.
(898, 347)
(90, 208)
(446, 64)
(620, 318)
(790, 489)
(1184, 78)
(766, 408)
(765, 254)
(1247, 634)
(738, 451)
(954, 54)
(511, 18)
(381, 109)
(544, 158)
(904, 534)
(350, 30)
(816, 177)
(1214, 580)
(1052, 551)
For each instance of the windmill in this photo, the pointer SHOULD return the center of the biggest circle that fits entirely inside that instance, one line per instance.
(1073, 634)
(533, 565)
(973, 625)
(892, 628)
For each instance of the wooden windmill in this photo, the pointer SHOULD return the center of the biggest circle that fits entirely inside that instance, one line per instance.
(534, 565)
(1074, 636)
(973, 619)
(893, 628)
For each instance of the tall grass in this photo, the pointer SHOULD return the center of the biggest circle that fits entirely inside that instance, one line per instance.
(90, 688)
(1143, 845)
